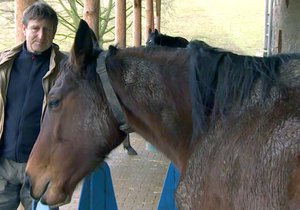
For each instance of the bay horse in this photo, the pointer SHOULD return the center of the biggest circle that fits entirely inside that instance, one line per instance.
(229, 122)
(156, 38)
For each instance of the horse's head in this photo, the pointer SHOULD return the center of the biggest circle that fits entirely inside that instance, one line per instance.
(78, 128)
(153, 38)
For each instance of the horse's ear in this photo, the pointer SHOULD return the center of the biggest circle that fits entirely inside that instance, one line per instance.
(83, 45)
(156, 32)
(149, 31)
(112, 50)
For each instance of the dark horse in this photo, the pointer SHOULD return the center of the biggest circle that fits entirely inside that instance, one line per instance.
(230, 123)
(156, 38)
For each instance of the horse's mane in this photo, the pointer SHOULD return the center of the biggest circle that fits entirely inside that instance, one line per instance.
(221, 79)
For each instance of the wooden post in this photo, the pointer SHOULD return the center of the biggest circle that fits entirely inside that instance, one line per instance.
(20, 6)
(91, 15)
(137, 23)
(149, 17)
(157, 14)
(120, 23)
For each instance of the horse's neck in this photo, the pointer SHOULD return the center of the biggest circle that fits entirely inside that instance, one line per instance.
(157, 106)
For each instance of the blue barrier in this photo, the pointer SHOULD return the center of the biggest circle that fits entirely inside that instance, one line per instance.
(166, 200)
(97, 191)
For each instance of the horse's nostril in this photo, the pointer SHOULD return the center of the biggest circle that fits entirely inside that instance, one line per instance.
(27, 182)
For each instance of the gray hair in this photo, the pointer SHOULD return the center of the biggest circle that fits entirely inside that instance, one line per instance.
(40, 11)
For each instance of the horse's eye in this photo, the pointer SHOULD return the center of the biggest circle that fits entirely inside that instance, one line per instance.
(53, 103)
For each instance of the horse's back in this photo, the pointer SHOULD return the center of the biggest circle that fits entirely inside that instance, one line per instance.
(251, 162)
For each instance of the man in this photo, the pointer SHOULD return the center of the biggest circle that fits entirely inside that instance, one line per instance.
(27, 72)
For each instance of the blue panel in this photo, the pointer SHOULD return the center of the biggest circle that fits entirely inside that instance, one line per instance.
(166, 201)
(97, 191)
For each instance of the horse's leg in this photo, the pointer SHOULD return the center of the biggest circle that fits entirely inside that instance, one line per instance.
(128, 147)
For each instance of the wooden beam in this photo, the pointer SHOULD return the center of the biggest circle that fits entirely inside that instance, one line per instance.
(157, 14)
(137, 25)
(149, 17)
(279, 44)
(91, 15)
(20, 6)
(120, 23)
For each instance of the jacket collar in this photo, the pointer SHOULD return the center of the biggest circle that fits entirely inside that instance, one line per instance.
(9, 54)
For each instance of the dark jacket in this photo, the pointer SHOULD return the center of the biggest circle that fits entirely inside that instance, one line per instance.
(7, 59)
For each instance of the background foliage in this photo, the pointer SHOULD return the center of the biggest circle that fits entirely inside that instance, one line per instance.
(236, 25)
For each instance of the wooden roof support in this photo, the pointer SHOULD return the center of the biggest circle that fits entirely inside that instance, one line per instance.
(137, 25)
(20, 6)
(149, 17)
(120, 23)
(157, 14)
(91, 15)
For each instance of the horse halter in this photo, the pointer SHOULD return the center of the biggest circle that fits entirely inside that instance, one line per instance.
(110, 94)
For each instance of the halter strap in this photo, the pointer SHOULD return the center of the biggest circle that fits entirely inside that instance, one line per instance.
(110, 94)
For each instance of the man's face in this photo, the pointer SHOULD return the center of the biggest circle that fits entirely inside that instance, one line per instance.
(39, 35)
